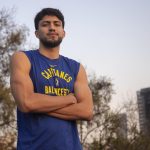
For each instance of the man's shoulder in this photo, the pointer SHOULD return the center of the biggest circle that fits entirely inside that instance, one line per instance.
(30, 54)
(19, 58)
(23, 52)
(70, 60)
(18, 55)
(72, 64)
(32, 51)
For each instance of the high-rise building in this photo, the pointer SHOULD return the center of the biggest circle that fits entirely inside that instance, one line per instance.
(143, 99)
(122, 130)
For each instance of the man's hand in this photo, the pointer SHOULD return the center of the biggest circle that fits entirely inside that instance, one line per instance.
(72, 96)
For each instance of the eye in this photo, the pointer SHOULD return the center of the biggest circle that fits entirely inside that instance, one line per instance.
(57, 24)
(44, 24)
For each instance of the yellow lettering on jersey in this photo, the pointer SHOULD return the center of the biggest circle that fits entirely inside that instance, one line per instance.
(62, 74)
(45, 74)
(56, 91)
(57, 73)
(69, 79)
(51, 72)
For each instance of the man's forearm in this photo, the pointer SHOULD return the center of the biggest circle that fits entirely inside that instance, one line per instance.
(36, 102)
(61, 116)
(45, 103)
(73, 112)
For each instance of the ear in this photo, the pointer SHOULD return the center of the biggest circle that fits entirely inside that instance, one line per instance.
(36, 33)
(64, 34)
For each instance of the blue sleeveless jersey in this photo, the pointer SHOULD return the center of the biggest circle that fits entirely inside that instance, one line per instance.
(38, 131)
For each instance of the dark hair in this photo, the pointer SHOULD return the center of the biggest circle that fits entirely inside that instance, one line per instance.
(48, 12)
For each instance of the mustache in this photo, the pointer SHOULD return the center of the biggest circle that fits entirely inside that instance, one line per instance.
(52, 33)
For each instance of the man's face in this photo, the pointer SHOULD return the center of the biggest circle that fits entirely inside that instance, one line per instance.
(50, 31)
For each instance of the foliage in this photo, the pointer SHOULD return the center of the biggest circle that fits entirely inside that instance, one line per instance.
(103, 124)
(12, 36)
(111, 136)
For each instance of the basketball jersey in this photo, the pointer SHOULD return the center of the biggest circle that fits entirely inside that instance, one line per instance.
(38, 131)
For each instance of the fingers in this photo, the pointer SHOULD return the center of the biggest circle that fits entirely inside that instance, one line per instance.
(73, 98)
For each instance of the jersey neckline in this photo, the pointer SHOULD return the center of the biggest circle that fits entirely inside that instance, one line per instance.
(52, 60)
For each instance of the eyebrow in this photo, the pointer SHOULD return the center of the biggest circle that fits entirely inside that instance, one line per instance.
(46, 21)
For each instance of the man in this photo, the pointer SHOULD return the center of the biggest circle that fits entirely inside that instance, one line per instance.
(51, 91)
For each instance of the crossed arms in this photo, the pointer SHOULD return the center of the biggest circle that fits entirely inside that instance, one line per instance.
(70, 107)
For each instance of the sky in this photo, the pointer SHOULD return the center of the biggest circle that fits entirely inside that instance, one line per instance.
(110, 37)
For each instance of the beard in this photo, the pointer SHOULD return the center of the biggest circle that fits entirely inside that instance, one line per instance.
(51, 44)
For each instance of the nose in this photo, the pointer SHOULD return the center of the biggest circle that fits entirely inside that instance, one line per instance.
(51, 27)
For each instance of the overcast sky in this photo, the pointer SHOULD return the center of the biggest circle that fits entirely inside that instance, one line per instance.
(109, 37)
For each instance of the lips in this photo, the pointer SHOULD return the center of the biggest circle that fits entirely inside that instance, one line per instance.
(52, 34)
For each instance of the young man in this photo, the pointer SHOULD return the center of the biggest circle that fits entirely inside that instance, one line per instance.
(51, 91)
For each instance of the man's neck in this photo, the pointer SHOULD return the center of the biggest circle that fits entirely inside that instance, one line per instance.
(52, 53)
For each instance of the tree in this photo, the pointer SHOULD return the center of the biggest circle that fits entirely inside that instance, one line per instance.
(103, 119)
(135, 140)
(108, 129)
(12, 37)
